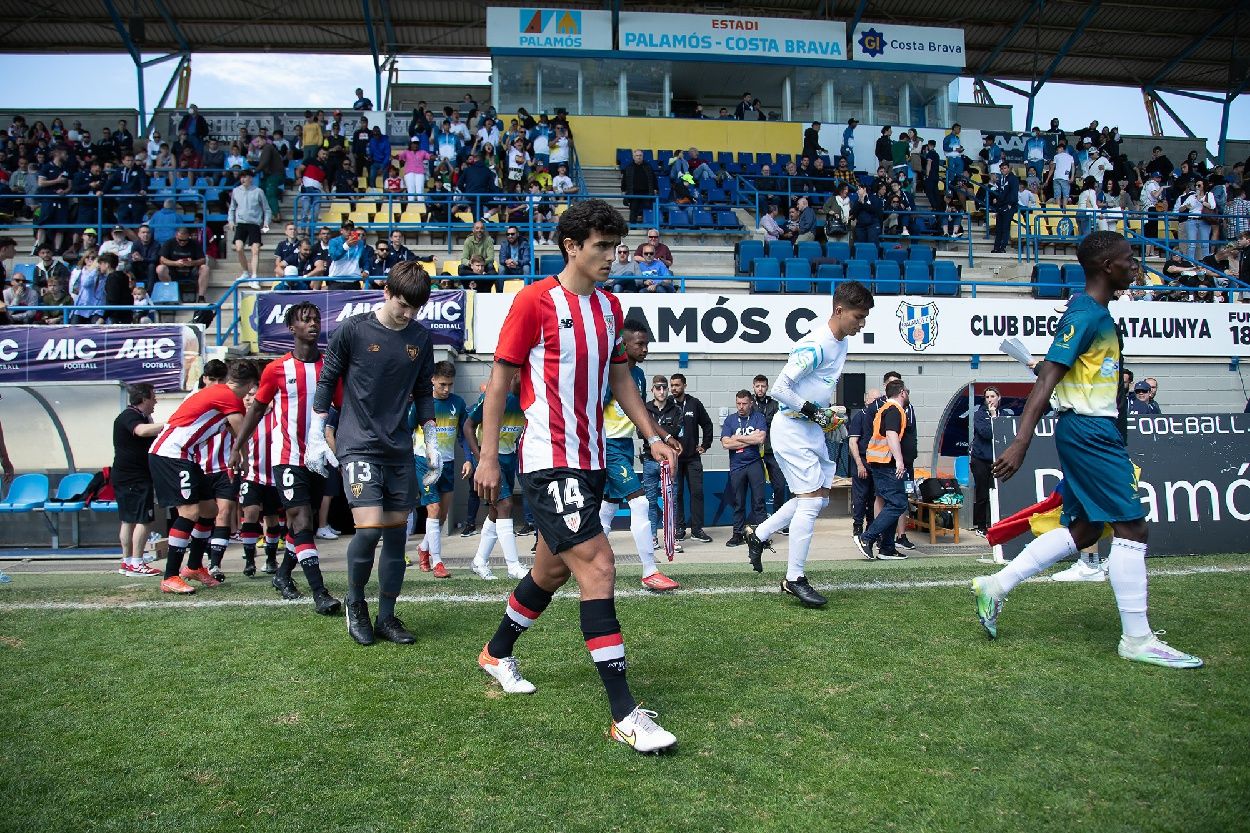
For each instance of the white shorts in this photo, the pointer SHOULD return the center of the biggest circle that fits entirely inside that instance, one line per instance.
(799, 446)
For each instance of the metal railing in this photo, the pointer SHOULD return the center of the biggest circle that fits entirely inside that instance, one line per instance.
(101, 211)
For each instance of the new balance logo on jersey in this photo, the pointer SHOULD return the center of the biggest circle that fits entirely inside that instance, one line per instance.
(566, 323)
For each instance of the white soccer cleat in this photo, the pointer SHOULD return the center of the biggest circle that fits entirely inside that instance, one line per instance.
(1080, 571)
(505, 673)
(518, 571)
(640, 732)
(1155, 651)
(482, 569)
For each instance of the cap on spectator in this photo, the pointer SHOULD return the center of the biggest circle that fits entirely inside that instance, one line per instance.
(538, 163)
(90, 231)
(338, 112)
(291, 271)
(1156, 174)
(122, 229)
(1141, 387)
(247, 172)
(1093, 151)
(852, 121)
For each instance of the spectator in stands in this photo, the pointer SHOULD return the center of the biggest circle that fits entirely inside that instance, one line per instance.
(393, 183)
(311, 136)
(771, 228)
(1238, 209)
(117, 292)
(662, 252)
(286, 253)
(54, 295)
(144, 255)
(807, 221)
(624, 272)
(479, 243)
(1030, 198)
(54, 206)
(214, 158)
(87, 289)
(868, 212)
(121, 246)
(347, 252)
(47, 267)
(474, 275)
(1087, 206)
(562, 183)
(249, 215)
(515, 257)
(742, 435)
(235, 158)
(164, 222)
(1004, 201)
(1159, 163)
(271, 169)
(696, 438)
(1097, 165)
(952, 147)
(313, 176)
(373, 268)
(1197, 231)
(837, 213)
(182, 260)
(361, 103)
(1140, 403)
(378, 152)
(88, 184)
(129, 184)
(415, 163)
(654, 274)
(811, 142)
(847, 151)
(638, 183)
(745, 111)
(163, 164)
(884, 150)
(8, 249)
(399, 251)
(196, 128)
(20, 293)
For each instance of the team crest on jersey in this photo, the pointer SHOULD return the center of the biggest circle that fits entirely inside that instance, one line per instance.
(573, 521)
(357, 489)
(918, 325)
(413, 352)
(373, 348)
(289, 494)
(186, 494)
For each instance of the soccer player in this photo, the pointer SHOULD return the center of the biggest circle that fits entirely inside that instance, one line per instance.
(499, 525)
(623, 483)
(287, 384)
(258, 499)
(384, 358)
(562, 335)
(179, 481)
(1082, 371)
(805, 389)
(449, 414)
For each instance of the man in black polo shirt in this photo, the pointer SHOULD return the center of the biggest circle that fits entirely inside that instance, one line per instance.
(133, 432)
(53, 187)
(286, 253)
(182, 260)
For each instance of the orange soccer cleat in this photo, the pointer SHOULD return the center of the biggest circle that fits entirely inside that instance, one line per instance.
(174, 584)
(201, 575)
(440, 571)
(659, 583)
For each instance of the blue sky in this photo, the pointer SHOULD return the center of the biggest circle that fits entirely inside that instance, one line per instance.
(297, 81)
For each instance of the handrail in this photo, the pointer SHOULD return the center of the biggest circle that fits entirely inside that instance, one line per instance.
(105, 219)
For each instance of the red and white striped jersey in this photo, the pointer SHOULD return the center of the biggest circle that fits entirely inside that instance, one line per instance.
(290, 385)
(259, 451)
(213, 455)
(199, 418)
(563, 344)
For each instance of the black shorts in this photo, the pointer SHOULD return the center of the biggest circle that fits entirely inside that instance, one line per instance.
(223, 486)
(565, 503)
(135, 502)
(256, 494)
(247, 233)
(178, 482)
(393, 486)
(298, 486)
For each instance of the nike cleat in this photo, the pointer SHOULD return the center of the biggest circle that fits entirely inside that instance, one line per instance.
(482, 569)
(1080, 571)
(755, 549)
(1154, 651)
(326, 604)
(174, 584)
(358, 625)
(640, 732)
(440, 571)
(505, 672)
(988, 607)
(285, 585)
(423, 559)
(518, 571)
(392, 630)
(201, 575)
(804, 592)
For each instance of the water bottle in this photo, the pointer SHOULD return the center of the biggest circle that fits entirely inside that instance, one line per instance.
(149, 549)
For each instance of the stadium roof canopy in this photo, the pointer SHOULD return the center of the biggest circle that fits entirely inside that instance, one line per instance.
(1150, 44)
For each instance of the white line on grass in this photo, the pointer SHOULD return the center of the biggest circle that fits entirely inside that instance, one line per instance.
(495, 598)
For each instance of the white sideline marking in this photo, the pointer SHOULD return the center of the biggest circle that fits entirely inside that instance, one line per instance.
(493, 598)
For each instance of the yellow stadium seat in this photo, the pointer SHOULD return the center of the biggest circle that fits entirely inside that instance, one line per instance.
(361, 216)
(513, 286)
(464, 217)
(450, 267)
(561, 207)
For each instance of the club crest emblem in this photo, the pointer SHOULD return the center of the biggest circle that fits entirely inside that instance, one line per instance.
(186, 494)
(413, 352)
(357, 489)
(289, 494)
(373, 348)
(573, 521)
(918, 325)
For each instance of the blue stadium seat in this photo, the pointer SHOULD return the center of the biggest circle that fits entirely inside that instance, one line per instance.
(828, 276)
(839, 250)
(624, 156)
(730, 187)
(747, 252)
(703, 218)
(915, 278)
(25, 269)
(1074, 278)
(725, 157)
(727, 220)
(27, 493)
(648, 217)
(664, 187)
(648, 156)
(946, 278)
(798, 275)
(859, 270)
(165, 292)
(895, 253)
(779, 249)
(550, 264)
(921, 252)
(783, 159)
(717, 195)
(1050, 280)
(769, 269)
(763, 159)
(746, 158)
(865, 251)
(888, 280)
(809, 250)
(680, 218)
(70, 486)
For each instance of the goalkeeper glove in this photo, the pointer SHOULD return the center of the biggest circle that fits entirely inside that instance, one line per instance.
(317, 456)
(821, 416)
(433, 462)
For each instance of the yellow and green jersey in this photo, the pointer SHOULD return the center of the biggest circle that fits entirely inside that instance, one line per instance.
(510, 427)
(449, 416)
(616, 425)
(1089, 345)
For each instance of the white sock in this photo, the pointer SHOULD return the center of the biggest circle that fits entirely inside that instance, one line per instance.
(802, 525)
(507, 540)
(607, 511)
(778, 520)
(1090, 559)
(434, 540)
(487, 544)
(1044, 551)
(1126, 568)
(640, 527)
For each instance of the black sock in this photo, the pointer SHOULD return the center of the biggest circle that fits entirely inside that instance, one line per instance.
(525, 605)
(200, 533)
(179, 541)
(309, 559)
(217, 544)
(249, 534)
(272, 536)
(287, 565)
(360, 552)
(391, 569)
(602, 632)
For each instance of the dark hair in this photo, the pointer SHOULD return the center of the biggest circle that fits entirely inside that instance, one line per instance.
(760, 378)
(681, 376)
(582, 218)
(139, 391)
(852, 295)
(1124, 370)
(301, 310)
(444, 370)
(893, 388)
(213, 369)
(7, 241)
(743, 394)
(243, 372)
(992, 388)
(633, 325)
(108, 257)
(890, 374)
(408, 280)
(1096, 247)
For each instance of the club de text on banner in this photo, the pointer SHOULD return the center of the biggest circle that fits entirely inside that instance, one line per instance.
(694, 35)
(445, 315)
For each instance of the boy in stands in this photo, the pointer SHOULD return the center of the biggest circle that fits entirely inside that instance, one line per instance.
(288, 384)
(384, 359)
(1082, 371)
(563, 336)
(499, 525)
(178, 479)
(623, 483)
(805, 389)
(449, 414)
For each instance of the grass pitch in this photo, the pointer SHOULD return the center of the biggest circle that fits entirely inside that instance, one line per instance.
(888, 710)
